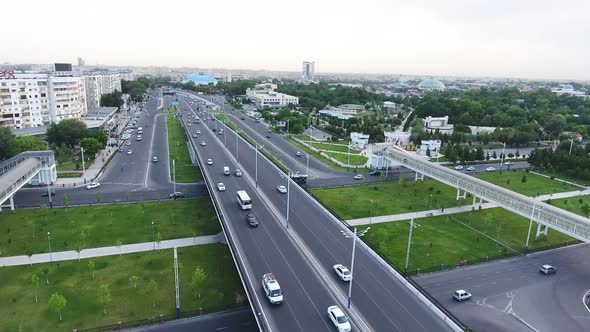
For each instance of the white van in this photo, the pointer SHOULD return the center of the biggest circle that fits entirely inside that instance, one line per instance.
(226, 170)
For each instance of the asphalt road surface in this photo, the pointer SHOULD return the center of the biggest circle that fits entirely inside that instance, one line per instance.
(313, 244)
(512, 295)
(232, 321)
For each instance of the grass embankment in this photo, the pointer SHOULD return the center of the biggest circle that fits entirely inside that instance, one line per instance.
(186, 172)
(445, 241)
(320, 157)
(333, 147)
(344, 158)
(74, 280)
(388, 198)
(25, 231)
(72, 166)
(533, 186)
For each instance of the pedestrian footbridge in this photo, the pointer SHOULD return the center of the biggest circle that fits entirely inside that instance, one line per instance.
(546, 215)
(22, 169)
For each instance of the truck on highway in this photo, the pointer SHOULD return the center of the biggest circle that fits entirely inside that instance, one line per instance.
(272, 289)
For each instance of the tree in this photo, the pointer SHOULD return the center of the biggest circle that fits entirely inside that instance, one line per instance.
(197, 280)
(119, 243)
(524, 179)
(112, 99)
(45, 272)
(29, 143)
(585, 209)
(68, 132)
(65, 201)
(158, 239)
(91, 267)
(152, 291)
(133, 281)
(91, 146)
(104, 296)
(35, 284)
(8, 145)
(57, 303)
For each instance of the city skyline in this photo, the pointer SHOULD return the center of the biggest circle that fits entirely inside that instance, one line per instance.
(529, 39)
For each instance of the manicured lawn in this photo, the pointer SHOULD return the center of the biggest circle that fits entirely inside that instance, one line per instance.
(535, 184)
(320, 157)
(343, 158)
(443, 241)
(71, 166)
(330, 147)
(186, 172)
(69, 175)
(389, 198)
(574, 204)
(98, 226)
(73, 279)
(567, 178)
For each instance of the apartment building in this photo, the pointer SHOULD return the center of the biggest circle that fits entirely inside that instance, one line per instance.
(98, 84)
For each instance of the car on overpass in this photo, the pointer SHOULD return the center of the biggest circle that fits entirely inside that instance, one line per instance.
(203, 143)
(272, 289)
(209, 162)
(92, 185)
(339, 319)
(298, 153)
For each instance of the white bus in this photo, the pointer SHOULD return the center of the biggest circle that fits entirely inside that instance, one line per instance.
(244, 200)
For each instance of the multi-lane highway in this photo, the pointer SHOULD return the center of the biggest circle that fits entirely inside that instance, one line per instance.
(302, 255)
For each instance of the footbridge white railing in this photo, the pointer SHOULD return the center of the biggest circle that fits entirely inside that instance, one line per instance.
(564, 221)
(13, 177)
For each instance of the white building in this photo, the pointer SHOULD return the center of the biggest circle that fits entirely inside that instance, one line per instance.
(389, 105)
(440, 124)
(98, 84)
(263, 95)
(34, 100)
(308, 71)
(568, 89)
(359, 141)
(431, 145)
(399, 138)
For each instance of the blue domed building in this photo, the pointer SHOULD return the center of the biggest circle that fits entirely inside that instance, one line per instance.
(431, 85)
(201, 79)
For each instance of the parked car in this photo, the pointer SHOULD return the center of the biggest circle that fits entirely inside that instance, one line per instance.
(548, 269)
(92, 185)
(221, 186)
(338, 318)
(461, 295)
(282, 189)
(176, 195)
(252, 220)
(343, 272)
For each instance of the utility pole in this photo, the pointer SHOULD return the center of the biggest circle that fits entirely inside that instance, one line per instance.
(288, 196)
(174, 173)
(176, 284)
(83, 167)
(409, 244)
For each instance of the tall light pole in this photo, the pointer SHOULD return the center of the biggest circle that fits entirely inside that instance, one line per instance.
(348, 164)
(176, 283)
(409, 244)
(571, 145)
(237, 150)
(83, 168)
(502, 156)
(174, 174)
(307, 171)
(153, 236)
(49, 192)
(256, 148)
(49, 240)
(288, 196)
(354, 235)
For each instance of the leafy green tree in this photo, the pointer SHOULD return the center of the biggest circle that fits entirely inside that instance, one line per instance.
(112, 99)
(65, 201)
(585, 209)
(91, 267)
(152, 292)
(198, 278)
(35, 284)
(524, 179)
(91, 146)
(57, 303)
(8, 143)
(30, 143)
(118, 244)
(68, 132)
(104, 296)
(133, 281)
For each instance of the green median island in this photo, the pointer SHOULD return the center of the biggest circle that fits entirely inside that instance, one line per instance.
(103, 291)
(25, 231)
(186, 172)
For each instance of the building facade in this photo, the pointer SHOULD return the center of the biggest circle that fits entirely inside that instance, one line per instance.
(308, 71)
(359, 140)
(263, 95)
(98, 84)
(34, 100)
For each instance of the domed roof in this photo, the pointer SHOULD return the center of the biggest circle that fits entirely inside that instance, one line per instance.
(201, 79)
(431, 84)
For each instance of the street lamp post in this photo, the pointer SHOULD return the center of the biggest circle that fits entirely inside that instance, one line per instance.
(49, 193)
(354, 237)
(153, 236)
(348, 164)
(409, 244)
(502, 156)
(237, 150)
(83, 168)
(174, 174)
(307, 172)
(49, 240)
(571, 145)
(288, 196)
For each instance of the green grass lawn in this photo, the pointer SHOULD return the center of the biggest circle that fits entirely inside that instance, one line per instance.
(330, 147)
(343, 158)
(574, 204)
(73, 279)
(567, 178)
(534, 185)
(71, 166)
(443, 242)
(98, 226)
(69, 175)
(186, 172)
(389, 198)
(320, 157)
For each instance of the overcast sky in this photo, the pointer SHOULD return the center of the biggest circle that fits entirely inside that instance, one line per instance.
(504, 38)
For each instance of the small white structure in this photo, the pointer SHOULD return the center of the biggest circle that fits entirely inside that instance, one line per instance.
(431, 145)
(399, 138)
(440, 124)
(389, 105)
(264, 95)
(359, 140)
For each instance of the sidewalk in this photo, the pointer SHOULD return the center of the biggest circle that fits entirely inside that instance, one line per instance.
(91, 173)
(110, 251)
(453, 210)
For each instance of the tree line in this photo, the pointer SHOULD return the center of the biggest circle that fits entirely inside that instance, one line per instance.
(575, 165)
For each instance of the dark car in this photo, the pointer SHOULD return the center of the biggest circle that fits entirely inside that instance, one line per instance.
(252, 220)
(45, 194)
(267, 136)
(375, 172)
(176, 195)
(243, 118)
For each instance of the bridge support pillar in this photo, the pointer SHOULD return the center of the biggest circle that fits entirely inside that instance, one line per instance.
(419, 176)
(541, 229)
(12, 203)
(464, 195)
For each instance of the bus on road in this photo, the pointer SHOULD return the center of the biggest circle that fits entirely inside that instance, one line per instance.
(244, 200)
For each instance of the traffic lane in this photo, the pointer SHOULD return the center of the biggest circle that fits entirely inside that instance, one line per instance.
(394, 307)
(232, 321)
(545, 302)
(383, 300)
(159, 172)
(108, 194)
(270, 250)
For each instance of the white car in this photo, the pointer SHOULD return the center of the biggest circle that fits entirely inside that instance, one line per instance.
(343, 272)
(471, 168)
(461, 295)
(490, 169)
(128, 143)
(198, 132)
(129, 152)
(209, 162)
(339, 319)
(92, 185)
(238, 173)
(358, 177)
(194, 135)
(221, 186)
(203, 143)
(282, 189)
(459, 167)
